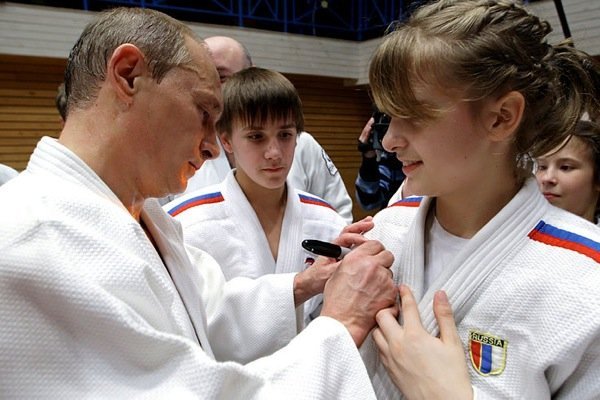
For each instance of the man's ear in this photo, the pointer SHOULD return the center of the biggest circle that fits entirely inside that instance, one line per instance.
(504, 115)
(126, 64)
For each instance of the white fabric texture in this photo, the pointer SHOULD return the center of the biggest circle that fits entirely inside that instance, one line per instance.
(7, 173)
(89, 309)
(440, 246)
(230, 231)
(312, 171)
(541, 299)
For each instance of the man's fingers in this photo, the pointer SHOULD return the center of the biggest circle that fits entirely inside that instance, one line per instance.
(386, 259)
(445, 317)
(350, 240)
(352, 235)
(361, 226)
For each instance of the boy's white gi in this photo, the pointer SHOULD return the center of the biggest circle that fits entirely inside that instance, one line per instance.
(525, 291)
(89, 308)
(220, 221)
(312, 171)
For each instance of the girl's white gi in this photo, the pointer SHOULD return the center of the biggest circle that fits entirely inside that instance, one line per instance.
(525, 291)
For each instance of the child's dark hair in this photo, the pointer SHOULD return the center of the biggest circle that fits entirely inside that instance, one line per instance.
(255, 96)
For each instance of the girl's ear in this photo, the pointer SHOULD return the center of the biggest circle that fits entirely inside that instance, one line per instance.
(504, 115)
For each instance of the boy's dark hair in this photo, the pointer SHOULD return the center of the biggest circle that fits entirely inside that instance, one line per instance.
(255, 96)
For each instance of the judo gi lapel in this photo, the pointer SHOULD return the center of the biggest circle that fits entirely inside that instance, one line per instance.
(409, 267)
(481, 259)
(248, 225)
(290, 251)
(169, 241)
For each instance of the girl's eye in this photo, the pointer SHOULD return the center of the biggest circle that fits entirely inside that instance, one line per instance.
(566, 168)
(542, 167)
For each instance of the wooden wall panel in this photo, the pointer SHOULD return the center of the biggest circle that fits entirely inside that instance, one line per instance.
(27, 111)
(335, 113)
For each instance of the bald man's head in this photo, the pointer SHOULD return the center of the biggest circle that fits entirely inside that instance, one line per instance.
(229, 55)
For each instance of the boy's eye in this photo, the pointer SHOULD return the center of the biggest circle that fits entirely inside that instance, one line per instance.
(255, 136)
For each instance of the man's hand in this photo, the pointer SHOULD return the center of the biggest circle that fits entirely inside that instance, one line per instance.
(360, 287)
(311, 281)
(423, 366)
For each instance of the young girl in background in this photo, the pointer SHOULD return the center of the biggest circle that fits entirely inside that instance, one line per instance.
(569, 176)
(473, 89)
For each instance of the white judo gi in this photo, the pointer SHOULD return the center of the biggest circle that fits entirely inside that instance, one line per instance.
(89, 308)
(525, 291)
(312, 171)
(220, 221)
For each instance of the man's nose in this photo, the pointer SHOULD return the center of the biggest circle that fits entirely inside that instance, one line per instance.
(209, 149)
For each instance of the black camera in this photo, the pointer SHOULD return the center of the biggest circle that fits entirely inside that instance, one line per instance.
(378, 129)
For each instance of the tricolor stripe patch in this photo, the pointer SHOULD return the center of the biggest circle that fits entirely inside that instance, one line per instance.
(196, 201)
(408, 202)
(314, 200)
(488, 353)
(554, 236)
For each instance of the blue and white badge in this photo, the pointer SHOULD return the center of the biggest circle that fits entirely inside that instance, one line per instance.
(488, 353)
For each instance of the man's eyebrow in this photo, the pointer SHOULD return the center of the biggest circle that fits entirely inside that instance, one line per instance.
(208, 100)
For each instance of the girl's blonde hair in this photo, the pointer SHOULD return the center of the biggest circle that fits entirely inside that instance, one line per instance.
(483, 48)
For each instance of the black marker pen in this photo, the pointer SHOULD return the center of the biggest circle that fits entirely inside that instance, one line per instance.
(326, 249)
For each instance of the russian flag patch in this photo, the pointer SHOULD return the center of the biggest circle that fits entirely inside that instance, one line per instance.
(414, 201)
(196, 201)
(314, 200)
(554, 236)
(488, 353)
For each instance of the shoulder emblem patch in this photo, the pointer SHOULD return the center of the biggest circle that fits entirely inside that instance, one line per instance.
(488, 353)
(408, 202)
(328, 163)
(554, 236)
(315, 201)
(196, 201)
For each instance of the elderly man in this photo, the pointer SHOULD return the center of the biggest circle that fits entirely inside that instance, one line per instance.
(98, 296)
(312, 169)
